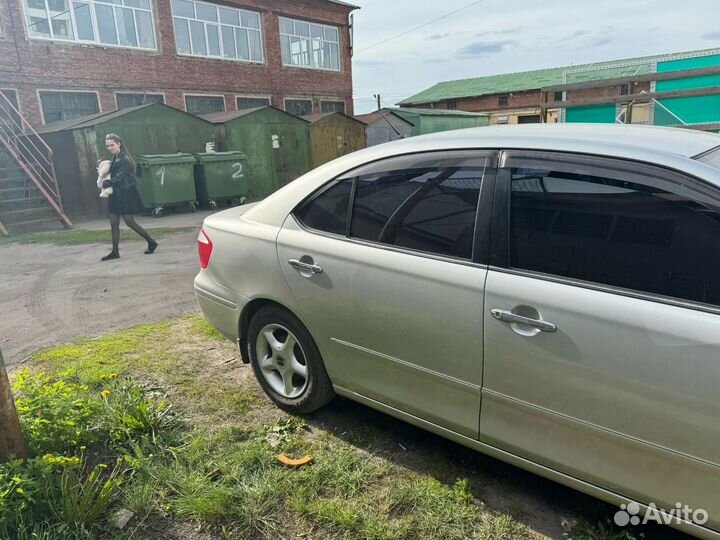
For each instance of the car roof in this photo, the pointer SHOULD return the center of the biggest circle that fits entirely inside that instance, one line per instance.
(672, 148)
(606, 139)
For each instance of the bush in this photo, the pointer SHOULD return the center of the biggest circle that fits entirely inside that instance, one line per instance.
(56, 416)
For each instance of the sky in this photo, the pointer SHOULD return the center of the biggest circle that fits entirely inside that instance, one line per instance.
(503, 36)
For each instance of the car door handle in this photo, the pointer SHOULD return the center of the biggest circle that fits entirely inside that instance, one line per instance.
(510, 317)
(308, 267)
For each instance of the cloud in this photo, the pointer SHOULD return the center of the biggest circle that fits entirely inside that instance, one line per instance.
(600, 42)
(570, 37)
(435, 37)
(484, 48)
(711, 36)
(372, 63)
(499, 32)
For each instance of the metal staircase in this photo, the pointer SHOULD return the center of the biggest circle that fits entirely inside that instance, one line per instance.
(29, 192)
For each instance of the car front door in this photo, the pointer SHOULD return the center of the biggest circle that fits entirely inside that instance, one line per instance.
(602, 326)
(381, 263)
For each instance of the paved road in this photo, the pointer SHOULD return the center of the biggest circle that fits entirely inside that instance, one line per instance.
(55, 294)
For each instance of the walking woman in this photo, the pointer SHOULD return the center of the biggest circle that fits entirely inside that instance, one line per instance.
(125, 199)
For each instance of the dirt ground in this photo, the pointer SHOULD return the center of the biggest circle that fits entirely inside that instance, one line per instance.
(53, 294)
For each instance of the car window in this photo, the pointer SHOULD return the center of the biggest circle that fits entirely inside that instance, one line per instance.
(328, 211)
(427, 205)
(711, 158)
(612, 231)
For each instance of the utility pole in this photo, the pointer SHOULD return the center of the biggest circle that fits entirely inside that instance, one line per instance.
(12, 442)
(379, 100)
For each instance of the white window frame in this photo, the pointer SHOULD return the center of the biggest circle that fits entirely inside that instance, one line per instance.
(220, 38)
(186, 95)
(246, 96)
(323, 40)
(39, 91)
(93, 20)
(138, 92)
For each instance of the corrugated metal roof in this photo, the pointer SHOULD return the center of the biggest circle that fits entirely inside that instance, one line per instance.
(532, 80)
(312, 118)
(99, 118)
(227, 116)
(436, 112)
(373, 117)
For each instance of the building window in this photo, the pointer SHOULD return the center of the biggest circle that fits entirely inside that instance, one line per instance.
(299, 107)
(624, 89)
(58, 106)
(332, 106)
(252, 103)
(217, 32)
(558, 96)
(204, 104)
(133, 100)
(503, 101)
(309, 45)
(8, 113)
(121, 23)
(452, 105)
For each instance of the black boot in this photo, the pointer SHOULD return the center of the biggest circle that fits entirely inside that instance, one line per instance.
(110, 256)
(152, 246)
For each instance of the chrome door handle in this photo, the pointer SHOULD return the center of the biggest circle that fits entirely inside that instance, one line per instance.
(510, 317)
(309, 267)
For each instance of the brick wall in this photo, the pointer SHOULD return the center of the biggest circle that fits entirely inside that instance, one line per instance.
(528, 102)
(28, 65)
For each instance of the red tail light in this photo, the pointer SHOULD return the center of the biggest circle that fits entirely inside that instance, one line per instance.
(205, 248)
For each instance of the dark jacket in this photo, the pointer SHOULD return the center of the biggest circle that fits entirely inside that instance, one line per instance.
(122, 173)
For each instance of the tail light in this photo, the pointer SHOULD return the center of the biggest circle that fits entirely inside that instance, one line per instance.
(205, 248)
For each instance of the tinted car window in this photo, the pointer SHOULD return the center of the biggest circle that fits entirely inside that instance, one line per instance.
(614, 232)
(328, 211)
(429, 205)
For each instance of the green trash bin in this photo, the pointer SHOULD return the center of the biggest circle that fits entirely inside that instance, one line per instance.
(166, 181)
(220, 178)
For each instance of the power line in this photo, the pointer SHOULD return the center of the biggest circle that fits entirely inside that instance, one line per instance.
(421, 26)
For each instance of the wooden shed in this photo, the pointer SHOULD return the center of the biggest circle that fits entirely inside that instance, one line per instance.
(147, 129)
(276, 144)
(384, 126)
(333, 135)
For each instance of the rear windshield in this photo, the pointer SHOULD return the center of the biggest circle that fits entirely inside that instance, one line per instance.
(711, 158)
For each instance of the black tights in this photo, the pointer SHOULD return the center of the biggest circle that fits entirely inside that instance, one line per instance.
(130, 222)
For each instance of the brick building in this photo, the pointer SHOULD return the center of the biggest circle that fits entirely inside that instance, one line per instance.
(620, 90)
(61, 59)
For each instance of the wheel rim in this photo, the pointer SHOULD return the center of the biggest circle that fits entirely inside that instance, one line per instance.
(282, 361)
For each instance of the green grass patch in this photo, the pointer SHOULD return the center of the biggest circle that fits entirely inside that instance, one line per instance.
(84, 236)
(159, 419)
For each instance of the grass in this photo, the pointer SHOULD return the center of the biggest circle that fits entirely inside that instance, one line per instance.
(84, 236)
(195, 446)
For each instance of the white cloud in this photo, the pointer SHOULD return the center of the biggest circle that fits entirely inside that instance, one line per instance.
(501, 36)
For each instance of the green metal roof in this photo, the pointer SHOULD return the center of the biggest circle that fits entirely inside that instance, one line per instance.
(533, 80)
(432, 112)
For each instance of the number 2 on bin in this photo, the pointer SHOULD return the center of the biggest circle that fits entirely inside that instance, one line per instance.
(238, 171)
(161, 174)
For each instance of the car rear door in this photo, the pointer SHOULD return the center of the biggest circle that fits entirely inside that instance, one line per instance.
(602, 326)
(384, 266)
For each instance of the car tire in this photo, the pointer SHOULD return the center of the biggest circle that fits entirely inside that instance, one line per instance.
(287, 362)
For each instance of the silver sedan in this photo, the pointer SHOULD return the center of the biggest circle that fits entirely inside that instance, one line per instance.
(548, 295)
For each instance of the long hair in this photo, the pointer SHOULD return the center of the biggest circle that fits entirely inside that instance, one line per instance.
(123, 149)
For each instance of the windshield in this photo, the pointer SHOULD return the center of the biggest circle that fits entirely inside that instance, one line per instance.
(711, 158)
